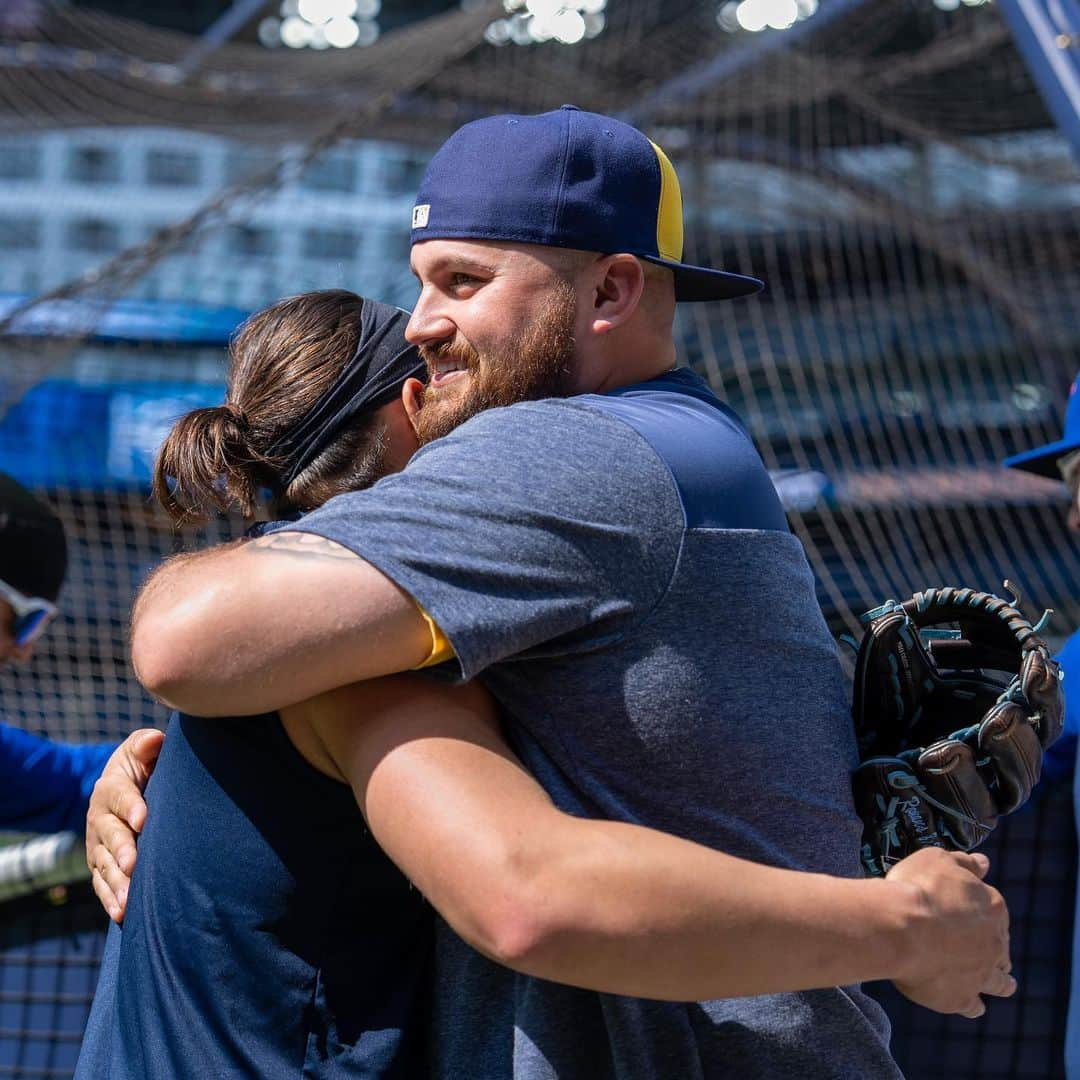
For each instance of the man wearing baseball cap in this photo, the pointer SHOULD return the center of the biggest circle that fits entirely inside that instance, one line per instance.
(1060, 460)
(594, 534)
(44, 786)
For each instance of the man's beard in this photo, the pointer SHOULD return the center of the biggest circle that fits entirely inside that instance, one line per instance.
(538, 364)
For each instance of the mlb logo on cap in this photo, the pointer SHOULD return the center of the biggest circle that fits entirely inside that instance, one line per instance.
(570, 179)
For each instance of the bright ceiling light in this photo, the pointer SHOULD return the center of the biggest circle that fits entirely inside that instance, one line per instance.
(781, 14)
(322, 24)
(532, 22)
(541, 30)
(544, 9)
(317, 12)
(296, 32)
(569, 26)
(342, 33)
(519, 30)
(751, 15)
(756, 15)
(498, 32)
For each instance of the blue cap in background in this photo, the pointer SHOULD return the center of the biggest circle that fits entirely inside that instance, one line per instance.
(1043, 459)
(570, 179)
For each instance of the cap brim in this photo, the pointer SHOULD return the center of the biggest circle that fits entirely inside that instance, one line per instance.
(1042, 461)
(702, 283)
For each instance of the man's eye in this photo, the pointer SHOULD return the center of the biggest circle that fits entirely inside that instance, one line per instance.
(463, 279)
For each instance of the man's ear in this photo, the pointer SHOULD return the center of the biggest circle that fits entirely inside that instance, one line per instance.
(620, 283)
(412, 398)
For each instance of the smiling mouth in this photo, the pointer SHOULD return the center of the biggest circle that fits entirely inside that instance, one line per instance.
(447, 371)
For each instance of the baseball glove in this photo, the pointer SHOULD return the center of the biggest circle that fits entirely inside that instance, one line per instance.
(956, 697)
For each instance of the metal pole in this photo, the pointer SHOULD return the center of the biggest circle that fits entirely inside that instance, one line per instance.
(1047, 33)
(218, 33)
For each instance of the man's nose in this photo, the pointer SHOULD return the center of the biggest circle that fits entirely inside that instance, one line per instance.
(428, 325)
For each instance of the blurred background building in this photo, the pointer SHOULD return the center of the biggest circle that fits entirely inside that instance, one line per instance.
(71, 199)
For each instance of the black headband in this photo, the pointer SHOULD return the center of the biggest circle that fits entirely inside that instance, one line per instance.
(373, 377)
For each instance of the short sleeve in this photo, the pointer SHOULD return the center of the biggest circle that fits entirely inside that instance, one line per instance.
(441, 649)
(541, 529)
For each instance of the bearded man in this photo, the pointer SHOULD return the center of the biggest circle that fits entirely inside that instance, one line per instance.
(591, 533)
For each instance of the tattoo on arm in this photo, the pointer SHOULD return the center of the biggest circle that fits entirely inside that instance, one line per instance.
(299, 543)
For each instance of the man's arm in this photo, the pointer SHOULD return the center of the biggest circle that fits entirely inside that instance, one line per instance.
(624, 909)
(502, 565)
(603, 905)
(250, 627)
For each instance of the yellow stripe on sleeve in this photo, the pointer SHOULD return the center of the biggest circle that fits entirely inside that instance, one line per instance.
(441, 649)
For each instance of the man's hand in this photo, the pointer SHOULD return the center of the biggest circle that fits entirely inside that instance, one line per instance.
(116, 816)
(959, 934)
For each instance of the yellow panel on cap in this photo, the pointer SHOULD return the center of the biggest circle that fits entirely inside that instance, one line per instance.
(669, 223)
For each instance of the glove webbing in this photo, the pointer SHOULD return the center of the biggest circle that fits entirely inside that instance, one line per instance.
(951, 597)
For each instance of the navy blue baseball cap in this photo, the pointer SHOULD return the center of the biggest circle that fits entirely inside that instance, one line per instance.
(569, 179)
(1043, 459)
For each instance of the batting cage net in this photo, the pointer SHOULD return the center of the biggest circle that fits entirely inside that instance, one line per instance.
(889, 167)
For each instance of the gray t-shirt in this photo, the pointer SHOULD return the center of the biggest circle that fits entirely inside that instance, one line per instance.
(618, 571)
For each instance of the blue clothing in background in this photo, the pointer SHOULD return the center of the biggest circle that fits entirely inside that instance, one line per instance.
(1060, 759)
(45, 786)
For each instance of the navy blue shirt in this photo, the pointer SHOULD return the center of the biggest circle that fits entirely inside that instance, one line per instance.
(266, 934)
(44, 785)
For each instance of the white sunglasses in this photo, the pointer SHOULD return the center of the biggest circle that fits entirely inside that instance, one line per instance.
(32, 613)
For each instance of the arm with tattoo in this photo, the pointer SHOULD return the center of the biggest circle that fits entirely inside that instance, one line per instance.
(250, 627)
(302, 544)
